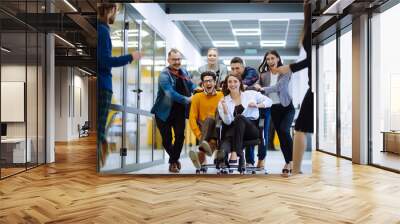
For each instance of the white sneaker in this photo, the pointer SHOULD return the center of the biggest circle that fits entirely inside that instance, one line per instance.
(206, 148)
(195, 159)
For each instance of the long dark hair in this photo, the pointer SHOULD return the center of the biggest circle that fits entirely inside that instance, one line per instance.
(225, 89)
(264, 64)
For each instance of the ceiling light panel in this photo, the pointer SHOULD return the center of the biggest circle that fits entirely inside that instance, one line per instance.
(225, 44)
(246, 32)
(273, 43)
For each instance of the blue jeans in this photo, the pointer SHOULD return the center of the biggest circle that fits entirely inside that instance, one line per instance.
(262, 151)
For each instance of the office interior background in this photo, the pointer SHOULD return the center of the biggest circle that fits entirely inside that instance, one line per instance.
(355, 77)
(48, 83)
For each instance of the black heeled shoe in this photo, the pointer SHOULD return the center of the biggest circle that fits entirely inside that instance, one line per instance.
(241, 166)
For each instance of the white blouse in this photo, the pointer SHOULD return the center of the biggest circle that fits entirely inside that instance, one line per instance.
(246, 97)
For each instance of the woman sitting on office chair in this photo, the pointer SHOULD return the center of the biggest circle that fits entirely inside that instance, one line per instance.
(239, 111)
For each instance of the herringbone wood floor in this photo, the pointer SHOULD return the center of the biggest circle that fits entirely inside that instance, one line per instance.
(70, 191)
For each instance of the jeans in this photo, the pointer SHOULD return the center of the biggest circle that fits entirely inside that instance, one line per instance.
(262, 149)
(282, 117)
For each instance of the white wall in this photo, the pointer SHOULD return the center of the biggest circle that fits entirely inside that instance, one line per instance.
(156, 18)
(71, 88)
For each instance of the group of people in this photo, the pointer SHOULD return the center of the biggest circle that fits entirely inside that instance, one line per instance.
(238, 98)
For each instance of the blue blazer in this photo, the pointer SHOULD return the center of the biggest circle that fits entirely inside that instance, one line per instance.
(167, 94)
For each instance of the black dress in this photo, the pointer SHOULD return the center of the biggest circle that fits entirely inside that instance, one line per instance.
(305, 120)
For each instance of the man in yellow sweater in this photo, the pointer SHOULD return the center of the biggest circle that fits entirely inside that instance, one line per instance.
(202, 118)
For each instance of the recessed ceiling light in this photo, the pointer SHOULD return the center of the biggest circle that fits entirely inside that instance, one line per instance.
(225, 44)
(246, 32)
(274, 20)
(65, 41)
(84, 71)
(5, 50)
(70, 5)
(214, 20)
(273, 43)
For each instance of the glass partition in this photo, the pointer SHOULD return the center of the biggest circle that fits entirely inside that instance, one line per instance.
(327, 95)
(346, 93)
(131, 116)
(385, 89)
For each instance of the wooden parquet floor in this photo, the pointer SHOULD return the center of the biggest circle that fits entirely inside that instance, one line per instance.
(70, 191)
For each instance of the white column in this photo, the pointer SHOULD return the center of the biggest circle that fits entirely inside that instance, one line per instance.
(50, 101)
(360, 90)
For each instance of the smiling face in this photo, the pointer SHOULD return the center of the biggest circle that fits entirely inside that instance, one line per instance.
(272, 61)
(174, 60)
(233, 84)
(212, 57)
(237, 69)
(208, 84)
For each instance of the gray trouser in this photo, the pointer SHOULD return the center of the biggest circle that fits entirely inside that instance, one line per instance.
(208, 130)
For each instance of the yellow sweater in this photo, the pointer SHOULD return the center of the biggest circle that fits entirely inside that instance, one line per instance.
(202, 107)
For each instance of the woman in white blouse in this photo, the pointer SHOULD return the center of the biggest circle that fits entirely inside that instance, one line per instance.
(239, 111)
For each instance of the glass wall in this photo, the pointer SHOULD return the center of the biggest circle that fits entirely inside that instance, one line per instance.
(132, 127)
(346, 92)
(22, 87)
(385, 89)
(327, 95)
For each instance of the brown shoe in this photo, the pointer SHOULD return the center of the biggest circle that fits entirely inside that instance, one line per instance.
(104, 153)
(213, 144)
(261, 164)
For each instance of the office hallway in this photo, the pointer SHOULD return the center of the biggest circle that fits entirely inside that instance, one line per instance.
(70, 191)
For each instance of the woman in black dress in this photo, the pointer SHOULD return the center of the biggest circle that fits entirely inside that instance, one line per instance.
(305, 120)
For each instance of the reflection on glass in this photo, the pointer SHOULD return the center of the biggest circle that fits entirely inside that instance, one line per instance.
(160, 61)
(131, 137)
(346, 94)
(14, 153)
(157, 143)
(41, 100)
(132, 69)
(112, 155)
(327, 96)
(146, 139)
(117, 36)
(146, 68)
(385, 88)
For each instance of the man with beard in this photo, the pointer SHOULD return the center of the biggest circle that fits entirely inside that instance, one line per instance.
(202, 118)
(171, 106)
(106, 16)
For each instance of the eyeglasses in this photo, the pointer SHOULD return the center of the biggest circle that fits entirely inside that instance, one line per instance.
(209, 81)
(176, 59)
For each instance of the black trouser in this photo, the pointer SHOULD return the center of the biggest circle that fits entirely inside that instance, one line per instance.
(178, 124)
(244, 129)
(282, 117)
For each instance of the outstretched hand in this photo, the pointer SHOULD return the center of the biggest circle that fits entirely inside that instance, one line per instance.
(280, 70)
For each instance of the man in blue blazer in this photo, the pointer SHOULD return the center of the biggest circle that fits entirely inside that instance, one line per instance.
(171, 107)
(105, 62)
